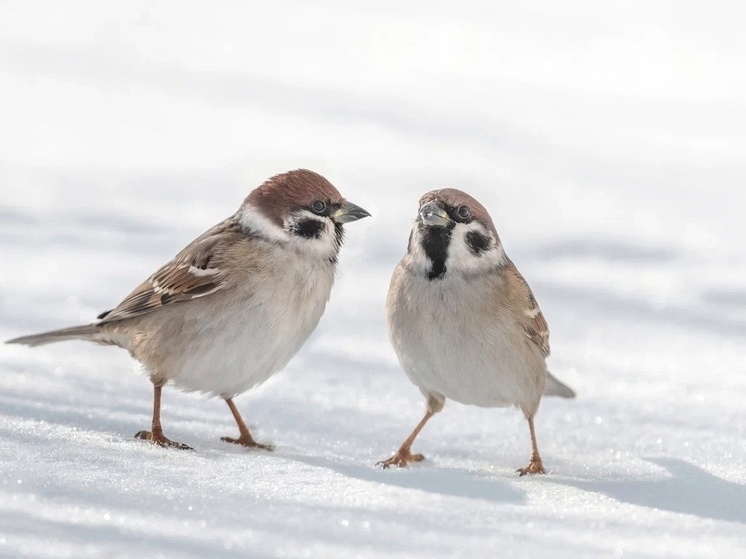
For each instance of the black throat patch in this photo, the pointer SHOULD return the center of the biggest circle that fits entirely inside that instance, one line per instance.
(435, 243)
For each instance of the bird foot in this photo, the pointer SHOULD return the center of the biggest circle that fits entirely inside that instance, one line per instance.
(248, 442)
(159, 439)
(402, 459)
(534, 467)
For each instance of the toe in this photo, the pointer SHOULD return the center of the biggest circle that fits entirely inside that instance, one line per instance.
(248, 443)
(531, 469)
(160, 440)
(400, 459)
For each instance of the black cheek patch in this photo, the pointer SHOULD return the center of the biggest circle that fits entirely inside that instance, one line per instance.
(477, 242)
(308, 228)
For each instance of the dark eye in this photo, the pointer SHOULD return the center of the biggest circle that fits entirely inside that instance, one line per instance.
(318, 206)
(464, 212)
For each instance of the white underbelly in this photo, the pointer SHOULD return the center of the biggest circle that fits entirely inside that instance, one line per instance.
(449, 349)
(251, 342)
(474, 370)
(241, 357)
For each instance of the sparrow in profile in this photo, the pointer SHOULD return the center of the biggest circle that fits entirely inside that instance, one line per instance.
(233, 307)
(463, 321)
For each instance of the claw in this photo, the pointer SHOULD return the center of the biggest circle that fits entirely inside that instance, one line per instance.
(248, 442)
(160, 440)
(534, 467)
(401, 459)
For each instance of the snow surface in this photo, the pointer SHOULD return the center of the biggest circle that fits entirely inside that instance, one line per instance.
(607, 139)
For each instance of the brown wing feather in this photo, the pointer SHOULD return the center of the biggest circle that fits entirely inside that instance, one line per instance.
(194, 272)
(537, 328)
(528, 311)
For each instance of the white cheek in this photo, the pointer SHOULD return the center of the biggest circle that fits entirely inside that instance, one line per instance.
(323, 246)
(417, 259)
(462, 259)
(251, 219)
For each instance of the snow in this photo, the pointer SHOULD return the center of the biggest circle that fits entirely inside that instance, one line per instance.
(605, 138)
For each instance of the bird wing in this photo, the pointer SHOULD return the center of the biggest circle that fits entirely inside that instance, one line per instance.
(527, 310)
(195, 272)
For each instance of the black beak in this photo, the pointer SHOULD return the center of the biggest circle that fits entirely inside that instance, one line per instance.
(432, 214)
(349, 212)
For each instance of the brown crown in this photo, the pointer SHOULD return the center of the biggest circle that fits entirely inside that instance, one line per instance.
(281, 194)
(453, 198)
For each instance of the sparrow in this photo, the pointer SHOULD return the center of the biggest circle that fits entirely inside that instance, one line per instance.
(463, 322)
(236, 304)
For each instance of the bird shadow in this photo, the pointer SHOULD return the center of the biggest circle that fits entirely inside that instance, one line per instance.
(687, 490)
(445, 482)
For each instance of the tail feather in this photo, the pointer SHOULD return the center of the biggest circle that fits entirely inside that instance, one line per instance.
(553, 387)
(88, 332)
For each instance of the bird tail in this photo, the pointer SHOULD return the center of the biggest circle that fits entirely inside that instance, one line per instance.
(553, 387)
(89, 332)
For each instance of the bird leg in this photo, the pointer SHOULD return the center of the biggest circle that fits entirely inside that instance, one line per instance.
(245, 438)
(535, 465)
(155, 435)
(404, 456)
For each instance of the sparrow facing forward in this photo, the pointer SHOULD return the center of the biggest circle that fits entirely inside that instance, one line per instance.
(463, 321)
(234, 306)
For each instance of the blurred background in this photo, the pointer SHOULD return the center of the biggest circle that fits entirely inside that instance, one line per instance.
(606, 139)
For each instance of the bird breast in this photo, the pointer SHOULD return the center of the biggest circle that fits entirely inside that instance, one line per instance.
(453, 339)
(239, 337)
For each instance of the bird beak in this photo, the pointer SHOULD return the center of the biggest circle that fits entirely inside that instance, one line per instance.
(349, 212)
(432, 214)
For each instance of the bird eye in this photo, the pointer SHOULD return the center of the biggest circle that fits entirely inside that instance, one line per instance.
(318, 206)
(464, 212)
